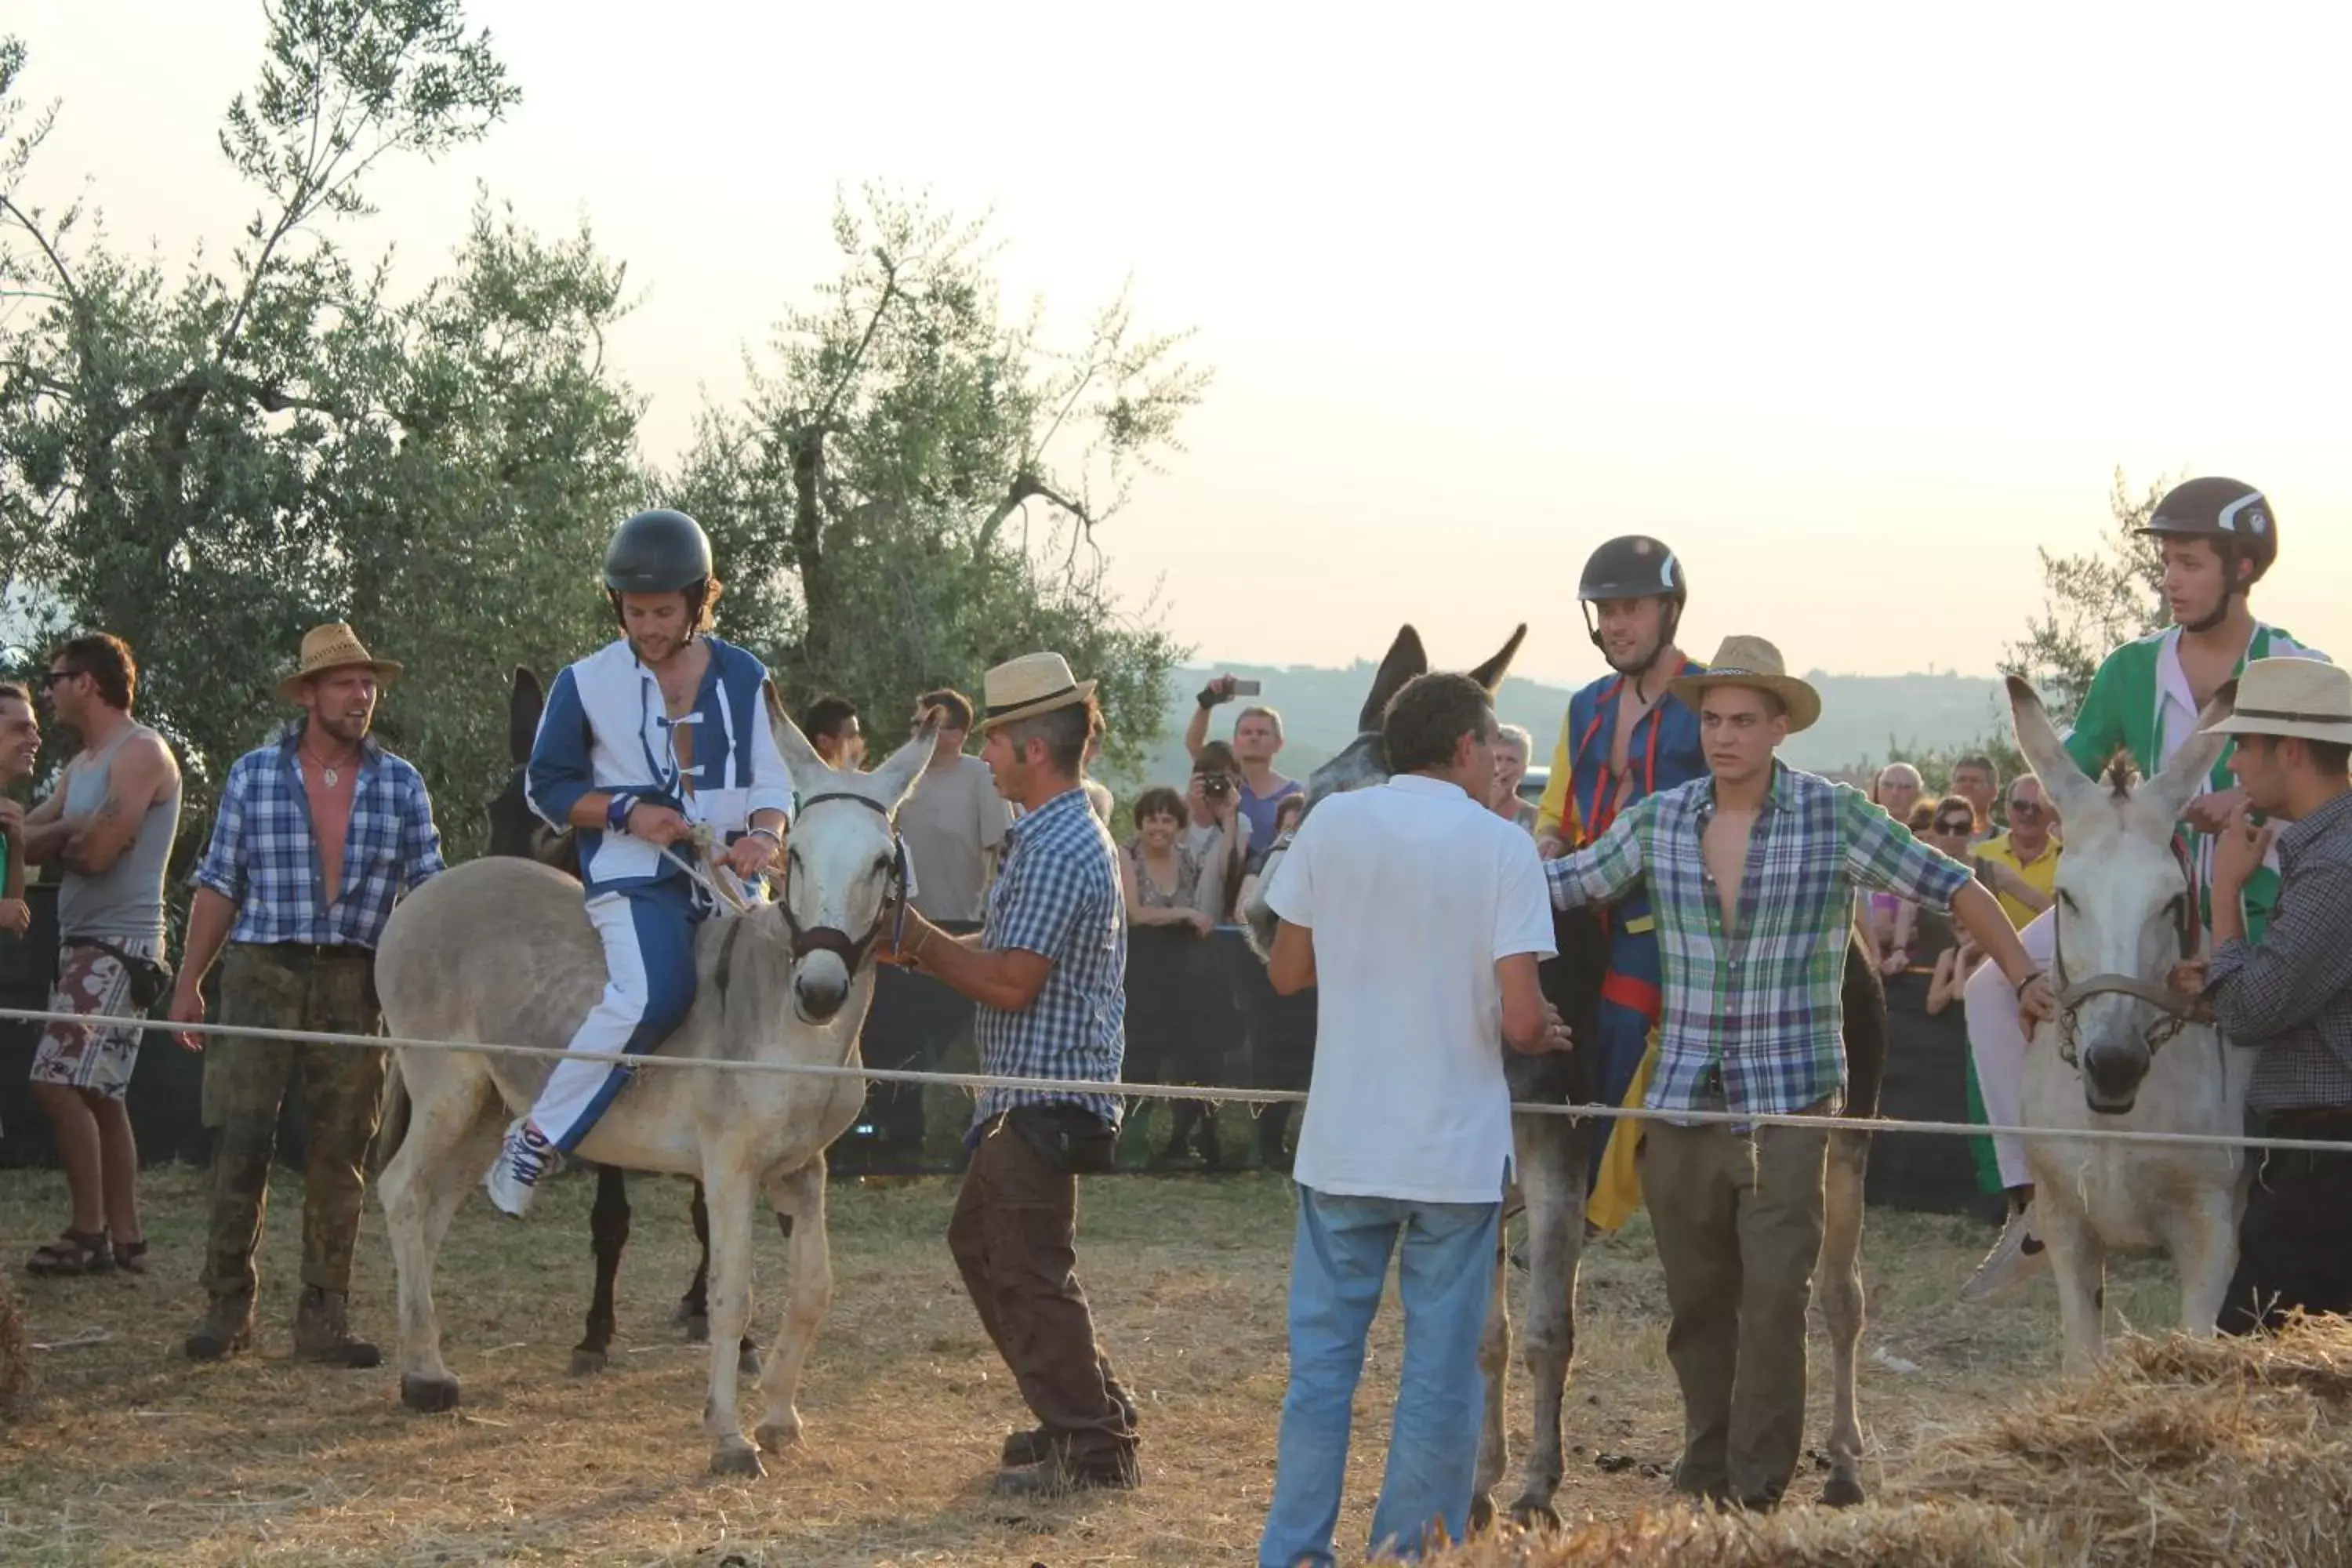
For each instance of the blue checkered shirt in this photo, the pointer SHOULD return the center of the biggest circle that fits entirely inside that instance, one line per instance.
(262, 859)
(1057, 894)
(1758, 1018)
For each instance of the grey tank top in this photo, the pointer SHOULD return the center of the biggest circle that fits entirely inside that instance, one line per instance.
(126, 903)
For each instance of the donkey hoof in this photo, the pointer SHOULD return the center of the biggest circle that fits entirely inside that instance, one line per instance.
(776, 1437)
(1841, 1491)
(431, 1395)
(747, 1361)
(696, 1324)
(1482, 1514)
(740, 1460)
(1529, 1513)
(587, 1362)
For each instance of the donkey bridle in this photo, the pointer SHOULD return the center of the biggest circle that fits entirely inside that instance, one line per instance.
(2179, 1011)
(828, 938)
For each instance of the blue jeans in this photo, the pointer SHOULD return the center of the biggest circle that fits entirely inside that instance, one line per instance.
(1338, 1265)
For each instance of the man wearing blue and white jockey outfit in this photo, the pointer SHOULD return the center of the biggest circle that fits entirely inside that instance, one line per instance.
(649, 738)
(1624, 738)
(2216, 538)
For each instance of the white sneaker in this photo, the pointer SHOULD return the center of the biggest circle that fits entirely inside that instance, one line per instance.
(513, 1180)
(2014, 1258)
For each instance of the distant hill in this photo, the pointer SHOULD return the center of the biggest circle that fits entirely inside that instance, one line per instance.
(1859, 714)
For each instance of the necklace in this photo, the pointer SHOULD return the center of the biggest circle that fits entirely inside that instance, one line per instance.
(332, 773)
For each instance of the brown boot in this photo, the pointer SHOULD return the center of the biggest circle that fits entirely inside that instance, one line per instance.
(228, 1328)
(322, 1335)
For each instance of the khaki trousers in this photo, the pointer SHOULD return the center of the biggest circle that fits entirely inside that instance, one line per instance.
(1737, 1218)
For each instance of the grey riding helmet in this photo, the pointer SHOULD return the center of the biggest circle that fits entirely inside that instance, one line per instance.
(1634, 566)
(658, 552)
(2233, 514)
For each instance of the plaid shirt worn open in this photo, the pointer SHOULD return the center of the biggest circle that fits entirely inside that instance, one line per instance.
(263, 860)
(2290, 995)
(1763, 1009)
(1057, 894)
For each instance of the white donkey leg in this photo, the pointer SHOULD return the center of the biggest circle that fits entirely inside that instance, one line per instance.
(2078, 1261)
(1838, 1281)
(1553, 1160)
(798, 1198)
(1495, 1369)
(2203, 1242)
(729, 1193)
(449, 1144)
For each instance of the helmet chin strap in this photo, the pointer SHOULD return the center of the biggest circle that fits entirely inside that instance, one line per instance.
(2229, 597)
(1637, 672)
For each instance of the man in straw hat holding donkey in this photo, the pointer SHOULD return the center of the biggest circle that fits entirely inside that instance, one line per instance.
(316, 834)
(1048, 970)
(2289, 996)
(1751, 871)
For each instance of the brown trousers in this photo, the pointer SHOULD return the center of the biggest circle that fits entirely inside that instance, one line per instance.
(1737, 1218)
(1014, 1237)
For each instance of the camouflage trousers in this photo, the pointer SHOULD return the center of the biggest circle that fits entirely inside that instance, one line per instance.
(245, 1083)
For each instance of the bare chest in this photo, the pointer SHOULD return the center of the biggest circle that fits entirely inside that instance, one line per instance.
(1723, 848)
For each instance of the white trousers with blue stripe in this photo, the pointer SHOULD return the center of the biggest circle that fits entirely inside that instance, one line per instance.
(649, 935)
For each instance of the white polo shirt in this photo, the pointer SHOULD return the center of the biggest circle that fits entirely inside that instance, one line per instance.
(1413, 892)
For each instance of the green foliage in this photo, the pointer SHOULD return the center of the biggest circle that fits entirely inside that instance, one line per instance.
(2092, 603)
(911, 491)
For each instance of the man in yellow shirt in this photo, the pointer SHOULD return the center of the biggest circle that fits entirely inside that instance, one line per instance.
(2022, 864)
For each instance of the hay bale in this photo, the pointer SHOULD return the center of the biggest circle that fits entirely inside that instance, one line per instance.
(16, 1378)
(2178, 1453)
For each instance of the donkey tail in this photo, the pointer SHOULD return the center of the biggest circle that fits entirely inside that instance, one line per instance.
(392, 1118)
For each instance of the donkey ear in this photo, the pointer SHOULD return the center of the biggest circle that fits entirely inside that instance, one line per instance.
(2037, 737)
(801, 760)
(524, 704)
(1490, 674)
(902, 771)
(2191, 771)
(1405, 660)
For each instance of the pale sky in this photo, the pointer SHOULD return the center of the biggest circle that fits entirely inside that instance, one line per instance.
(1853, 305)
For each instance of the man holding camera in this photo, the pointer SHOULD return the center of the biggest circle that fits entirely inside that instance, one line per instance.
(1258, 739)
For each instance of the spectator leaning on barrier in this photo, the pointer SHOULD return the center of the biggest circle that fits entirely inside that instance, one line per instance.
(953, 824)
(2288, 997)
(20, 749)
(1752, 871)
(109, 823)
(830, 725)
(1049, 973)
(1419, 917)
(316, 834)
(1162, 872)
(1257, 740)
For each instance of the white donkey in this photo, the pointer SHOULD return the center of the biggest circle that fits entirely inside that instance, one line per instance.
(2125, 1052)
(497, 951)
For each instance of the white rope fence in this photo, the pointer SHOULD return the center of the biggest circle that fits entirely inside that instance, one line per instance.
(975, 1081)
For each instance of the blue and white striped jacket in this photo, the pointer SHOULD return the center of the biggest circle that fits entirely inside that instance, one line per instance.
(605, 728)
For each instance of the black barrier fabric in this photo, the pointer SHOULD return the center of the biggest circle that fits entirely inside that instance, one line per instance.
(1199, 1011)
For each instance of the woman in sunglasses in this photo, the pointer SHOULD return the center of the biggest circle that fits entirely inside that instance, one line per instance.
(1923, 936)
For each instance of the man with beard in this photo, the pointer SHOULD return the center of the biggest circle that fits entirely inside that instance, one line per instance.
(656, 738)
(20, 748)
(2216, 538)
(1625, 738)
(316, 834)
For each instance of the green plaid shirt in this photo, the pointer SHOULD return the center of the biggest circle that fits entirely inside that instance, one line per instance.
(1759, 1017)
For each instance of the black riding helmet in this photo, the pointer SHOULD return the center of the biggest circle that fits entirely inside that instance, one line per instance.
(2235, 516)
(659, 551)
(1634, 566)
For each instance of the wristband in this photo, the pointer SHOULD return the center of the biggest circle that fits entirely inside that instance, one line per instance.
(1207, 698)
(770, 834)
(616, 811)
(2029, 980)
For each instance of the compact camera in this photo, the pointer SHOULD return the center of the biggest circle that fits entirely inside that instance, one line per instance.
(1215, 786)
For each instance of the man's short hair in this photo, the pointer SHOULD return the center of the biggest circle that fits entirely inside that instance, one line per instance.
(1519, 735)
(17, 690)
(1216, 757)
(1065, 730)
(1979, 760)
(106, 659)
(1160, 801)
(825, 716)
(958, 706)
(1427, 718)
(1268, 714)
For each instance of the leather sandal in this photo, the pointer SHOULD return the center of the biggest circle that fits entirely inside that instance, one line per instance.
(73, 1252)
(131, 1256)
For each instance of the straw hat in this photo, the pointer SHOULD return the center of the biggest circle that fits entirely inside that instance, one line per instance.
(2298, 697)
(1756, 664)
(1026, 687)
(333, 647)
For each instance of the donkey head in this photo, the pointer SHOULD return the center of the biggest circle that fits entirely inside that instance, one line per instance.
(2123, 897)
(515, 828)
(845, 868)
(1363, 763)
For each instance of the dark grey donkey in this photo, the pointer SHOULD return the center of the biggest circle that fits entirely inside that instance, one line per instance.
(1552, 1156)
(516, 829)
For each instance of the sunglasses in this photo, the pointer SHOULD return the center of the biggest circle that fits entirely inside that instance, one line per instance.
(50, 678)
(2024, 808)
(1956, 824)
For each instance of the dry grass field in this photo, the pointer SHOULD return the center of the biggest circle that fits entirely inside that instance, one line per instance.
(133, 1455)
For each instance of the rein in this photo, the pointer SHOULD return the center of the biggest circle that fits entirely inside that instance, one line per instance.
(2179, 1011)
(807, 939)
